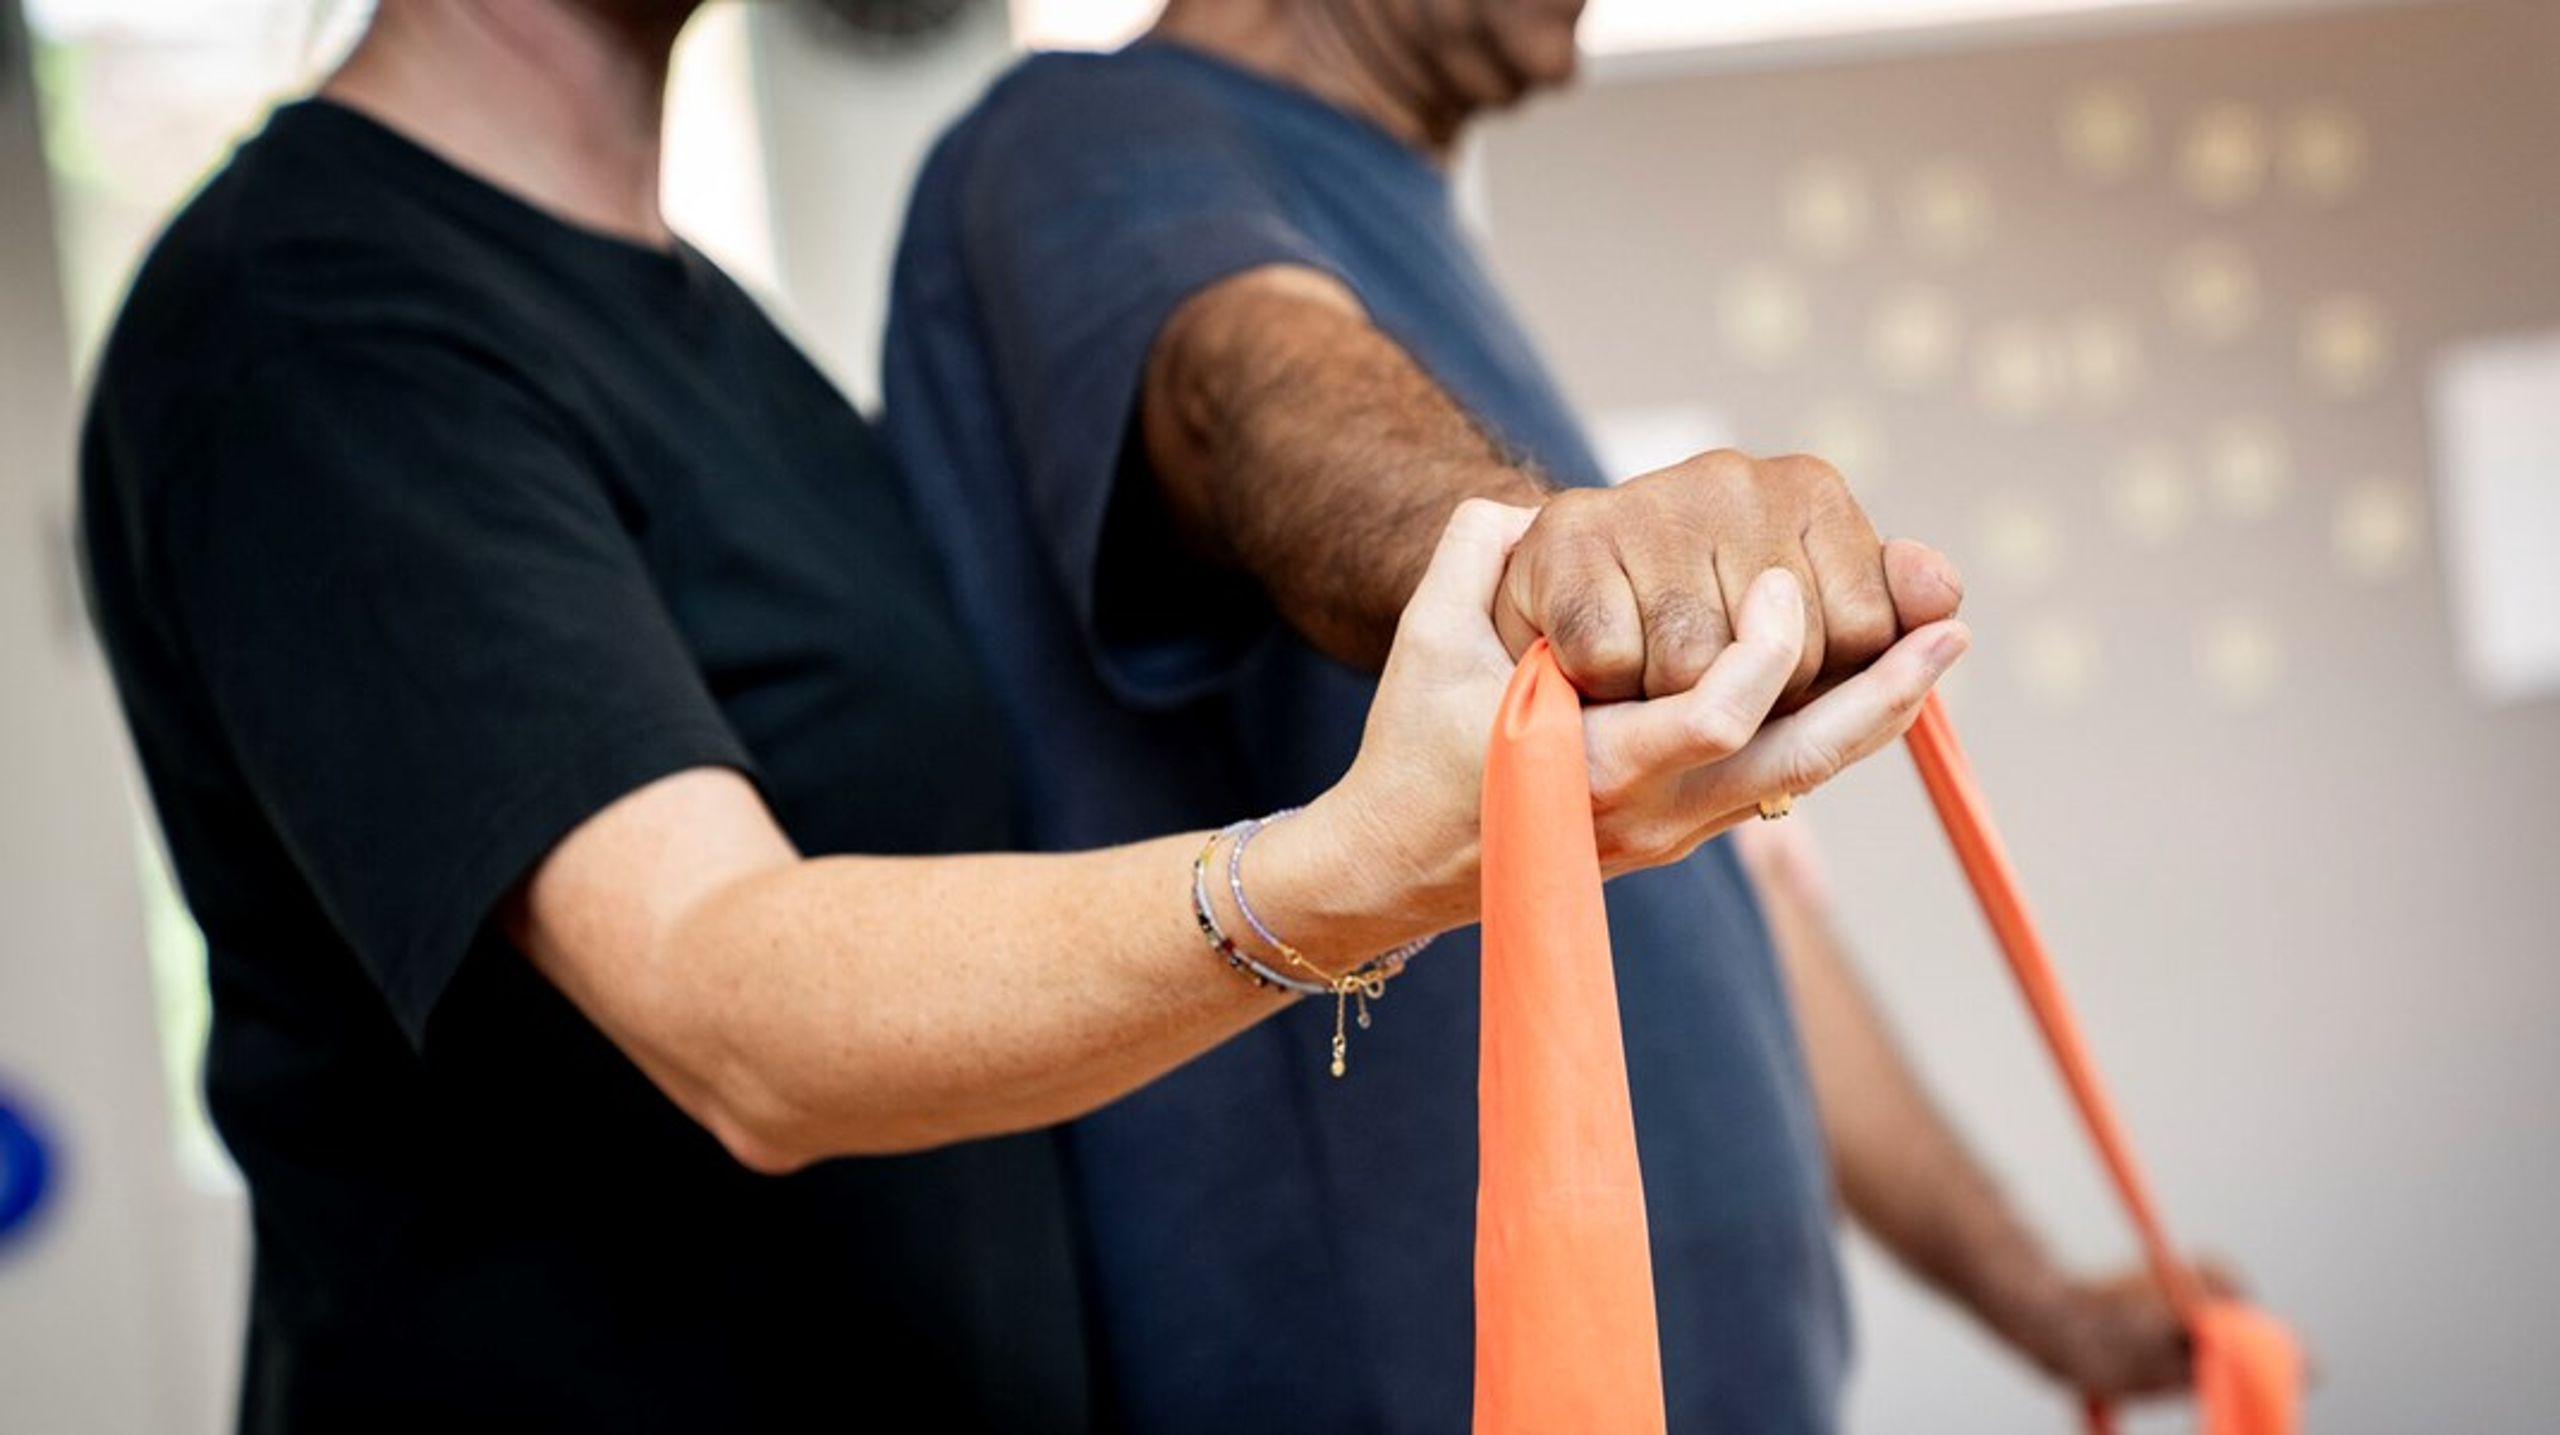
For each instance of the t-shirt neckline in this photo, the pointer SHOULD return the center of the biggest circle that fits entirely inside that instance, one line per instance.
(678, 263)
(1293, 93)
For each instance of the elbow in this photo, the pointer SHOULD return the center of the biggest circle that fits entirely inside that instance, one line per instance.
(764, 1149)
(775, 1113)
(755, 1120)
(772, 1130)
(765, 1130)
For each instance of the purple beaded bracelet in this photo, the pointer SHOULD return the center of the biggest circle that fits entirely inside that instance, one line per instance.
(1361, 985)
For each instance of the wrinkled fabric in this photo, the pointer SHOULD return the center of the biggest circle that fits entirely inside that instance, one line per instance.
(1565, 1335)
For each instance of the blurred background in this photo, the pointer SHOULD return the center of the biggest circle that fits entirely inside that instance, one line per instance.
(2218, 340)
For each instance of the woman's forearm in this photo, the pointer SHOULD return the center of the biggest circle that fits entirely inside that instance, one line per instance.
(851, 1005)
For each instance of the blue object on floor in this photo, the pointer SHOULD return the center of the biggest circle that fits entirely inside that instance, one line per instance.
(26, 1169)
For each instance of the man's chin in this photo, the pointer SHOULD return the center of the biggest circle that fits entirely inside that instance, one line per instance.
(1564, 72)
(1552, 68)
(1501, 78)
(1529, 87)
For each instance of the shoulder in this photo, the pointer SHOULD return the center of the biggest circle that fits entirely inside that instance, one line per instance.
(1135, 83)
(1068, 141)
(1094, 113)
(271, 274)
(289, 232)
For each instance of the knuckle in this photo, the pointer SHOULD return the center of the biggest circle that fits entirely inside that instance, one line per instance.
(1909, 686)
(1592, 649)
(1681, 633)
(1816, 761)
(1812, 471)
(1861, 629)
(1571, 507)
(1675, 618)
(1808, 669)
(1604, 667)
(1906, 706)
(1561, 533)
(1774, 652)
(1720, 729)
(1574, 619)
(1647, 844)
(1723, 465)
(1587, 636)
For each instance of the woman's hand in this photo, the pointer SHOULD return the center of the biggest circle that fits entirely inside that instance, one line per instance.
(1406, 811)
(1667, 773)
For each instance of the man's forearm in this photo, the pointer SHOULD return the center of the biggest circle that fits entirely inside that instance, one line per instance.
(1907, 1177)
(1293, 440)
(1903, 1172)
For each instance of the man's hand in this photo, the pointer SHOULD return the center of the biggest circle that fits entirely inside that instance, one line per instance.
(1666, 775)
(2116, 1336)
(1638, 586)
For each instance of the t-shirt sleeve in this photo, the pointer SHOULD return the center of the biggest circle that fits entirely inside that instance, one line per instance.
(427, 636)
(1097, 199)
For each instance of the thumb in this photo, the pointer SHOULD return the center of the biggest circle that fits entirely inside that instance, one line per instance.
(1467, 566)
(1630, 742)
(1925, 587)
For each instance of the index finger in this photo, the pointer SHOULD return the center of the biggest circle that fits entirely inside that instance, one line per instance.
(1797, 753)
(1631, 741)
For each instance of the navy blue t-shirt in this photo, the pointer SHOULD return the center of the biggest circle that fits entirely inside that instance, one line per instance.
(1274, 1250)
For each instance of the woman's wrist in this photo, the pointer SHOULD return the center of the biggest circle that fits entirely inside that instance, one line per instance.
(1339, 881)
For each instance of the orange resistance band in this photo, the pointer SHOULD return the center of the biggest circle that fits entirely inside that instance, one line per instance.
(2248, 1369)
(1565, 1331)
(1565, 1336)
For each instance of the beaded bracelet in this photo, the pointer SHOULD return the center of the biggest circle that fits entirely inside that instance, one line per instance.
(1391, 961)
(1237, 959)
(1365, 983)
(1359, 986)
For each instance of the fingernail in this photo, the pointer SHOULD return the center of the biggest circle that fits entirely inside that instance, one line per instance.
(1783, 587)
(1945, 648)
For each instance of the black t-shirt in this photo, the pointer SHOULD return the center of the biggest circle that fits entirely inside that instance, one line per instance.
(421, 525)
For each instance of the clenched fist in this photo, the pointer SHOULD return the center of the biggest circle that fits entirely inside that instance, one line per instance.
(1639, 586)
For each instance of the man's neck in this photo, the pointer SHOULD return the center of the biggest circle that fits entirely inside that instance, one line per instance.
(1340, 53)
(554, 101)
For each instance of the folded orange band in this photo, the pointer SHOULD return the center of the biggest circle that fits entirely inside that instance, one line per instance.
(1565, 1337)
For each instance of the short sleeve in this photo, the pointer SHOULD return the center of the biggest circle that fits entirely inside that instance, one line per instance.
(428, 638)
(1100, 194)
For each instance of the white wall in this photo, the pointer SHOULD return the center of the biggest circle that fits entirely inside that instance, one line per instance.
(2298, 872)
(106, 1304)
(844, 132)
